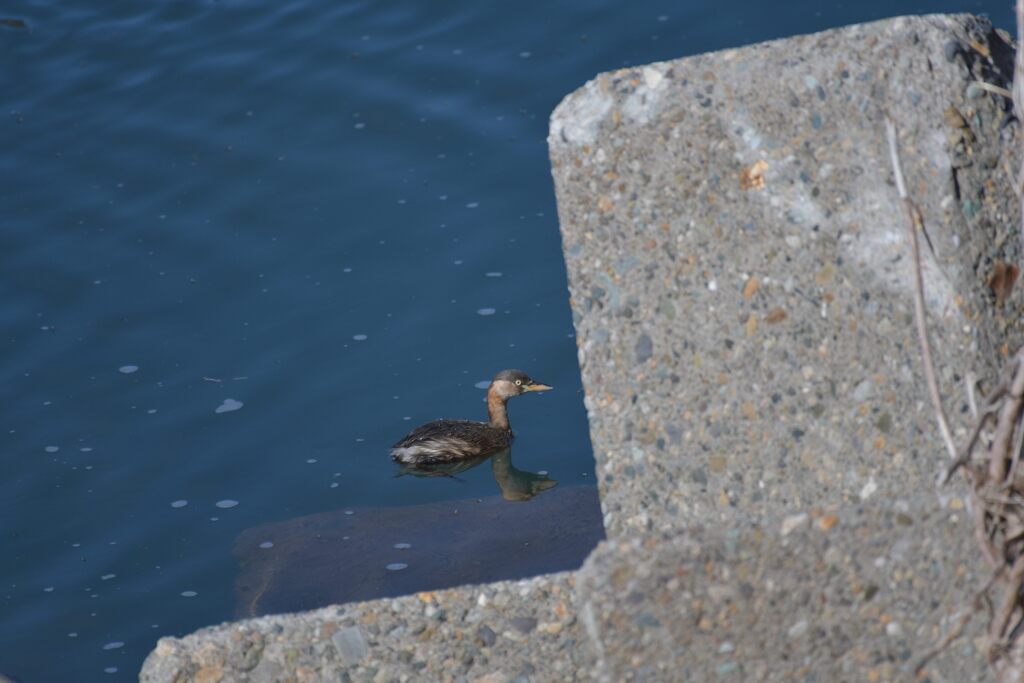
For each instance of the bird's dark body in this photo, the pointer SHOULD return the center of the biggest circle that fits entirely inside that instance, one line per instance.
(447, 440)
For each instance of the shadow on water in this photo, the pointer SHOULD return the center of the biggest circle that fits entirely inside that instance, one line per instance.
(515, 484)
(374, 552)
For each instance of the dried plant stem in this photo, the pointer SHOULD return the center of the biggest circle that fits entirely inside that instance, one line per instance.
(995, 89)
(1007, 421)
(914, 222)
(998, 627)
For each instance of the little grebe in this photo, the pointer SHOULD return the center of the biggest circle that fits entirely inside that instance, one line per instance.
(448, 440)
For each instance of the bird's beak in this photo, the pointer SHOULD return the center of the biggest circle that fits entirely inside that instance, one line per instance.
(537, 386)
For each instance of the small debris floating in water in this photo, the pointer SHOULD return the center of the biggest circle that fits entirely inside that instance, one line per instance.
(11, 22)
(228, 406)
(359, 337)
(179, 503)
(189, 594)
(396, 566)
(485, 311)
(226, 503)
(128, 369)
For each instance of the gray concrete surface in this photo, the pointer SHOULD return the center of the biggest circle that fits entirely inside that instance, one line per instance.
(752, 349)
(855, 595)
(741, 293)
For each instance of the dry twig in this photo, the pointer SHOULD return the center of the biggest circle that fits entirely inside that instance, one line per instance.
(914, 222)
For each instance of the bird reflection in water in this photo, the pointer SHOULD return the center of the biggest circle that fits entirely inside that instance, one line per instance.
(515, 484)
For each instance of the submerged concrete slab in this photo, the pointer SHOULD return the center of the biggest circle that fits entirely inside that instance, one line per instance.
(741, 295)
(345, 555)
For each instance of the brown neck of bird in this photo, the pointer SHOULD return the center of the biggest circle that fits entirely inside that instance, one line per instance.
(496, 408)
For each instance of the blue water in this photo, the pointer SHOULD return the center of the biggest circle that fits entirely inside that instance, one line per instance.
(336, 217)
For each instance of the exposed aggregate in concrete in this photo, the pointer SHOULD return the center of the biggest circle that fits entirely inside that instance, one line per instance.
(846, 595)
(739, 277)
(488, 634)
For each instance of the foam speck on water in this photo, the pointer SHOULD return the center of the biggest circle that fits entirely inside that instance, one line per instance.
(189, 594)
(483, 384)
(403, 546)
(359, 337)
(179, 503)
(267, 544)
(228, 406)
(52, 449)
(226, 503)
(116, 645)
(493, 273)
(396, 566)
(485, 311)
(128, 369)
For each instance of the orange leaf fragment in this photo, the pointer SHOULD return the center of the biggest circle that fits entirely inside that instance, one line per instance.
(750, 289)
(752, 177)
(827, 522)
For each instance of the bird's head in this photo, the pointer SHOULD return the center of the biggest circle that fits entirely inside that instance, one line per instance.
(509, 383)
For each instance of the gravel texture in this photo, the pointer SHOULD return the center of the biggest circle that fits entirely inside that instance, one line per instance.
(765, 450)
(508, 631)
(854, 595)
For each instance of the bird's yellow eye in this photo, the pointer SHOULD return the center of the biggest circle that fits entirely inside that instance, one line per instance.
(518, 382)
